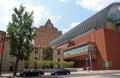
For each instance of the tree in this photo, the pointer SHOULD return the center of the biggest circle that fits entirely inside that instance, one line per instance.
(47, 53)
(44, 63)
(70, 64)
(66, 64)
(21, 34)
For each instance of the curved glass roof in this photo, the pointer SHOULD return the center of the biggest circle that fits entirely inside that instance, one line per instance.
(95, 22)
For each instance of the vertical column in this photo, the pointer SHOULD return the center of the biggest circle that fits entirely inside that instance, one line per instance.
(90, 56)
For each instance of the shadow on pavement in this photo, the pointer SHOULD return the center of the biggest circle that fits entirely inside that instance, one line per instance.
(33, 77)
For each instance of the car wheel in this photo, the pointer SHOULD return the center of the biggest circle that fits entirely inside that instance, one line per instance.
(56, 74)
(24, 75)
(65, 73)
(39, 74)
(68, 72)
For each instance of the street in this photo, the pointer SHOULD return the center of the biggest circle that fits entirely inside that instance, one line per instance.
(80, 74)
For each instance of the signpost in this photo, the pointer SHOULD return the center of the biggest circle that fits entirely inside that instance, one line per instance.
(90, 56)
(1, 52)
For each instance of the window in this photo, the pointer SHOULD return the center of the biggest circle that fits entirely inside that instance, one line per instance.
(85, 48)
(35, 58)
(118, 26)
(59, 60)
(36, 50)
(58, 52)
(107, 64)
(77, 50)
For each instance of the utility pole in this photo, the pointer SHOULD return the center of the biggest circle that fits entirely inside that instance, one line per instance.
(87, 68)
(1, 63)
(1, 51)
(90, 57)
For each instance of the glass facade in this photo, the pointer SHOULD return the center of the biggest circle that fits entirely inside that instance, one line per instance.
(114, 14)
(77, 50)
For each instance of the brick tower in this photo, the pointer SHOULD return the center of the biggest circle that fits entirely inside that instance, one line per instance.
(45, 34)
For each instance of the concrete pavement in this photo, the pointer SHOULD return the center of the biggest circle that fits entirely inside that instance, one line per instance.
(95, 74)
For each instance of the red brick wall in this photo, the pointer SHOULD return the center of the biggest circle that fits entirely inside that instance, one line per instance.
(81, 39)
(45, 34)
(98, 38)
(80, 64)
(112, 38)
(107, 47)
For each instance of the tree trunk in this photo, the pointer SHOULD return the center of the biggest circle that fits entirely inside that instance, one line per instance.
(16, 66)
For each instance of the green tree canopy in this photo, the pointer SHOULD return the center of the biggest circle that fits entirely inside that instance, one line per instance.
(49, 63)
(66, 63)
(20, 33)
(47, 53)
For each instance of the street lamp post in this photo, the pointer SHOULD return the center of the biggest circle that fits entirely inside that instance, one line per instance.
(2, 48)
(90, 56)
(87, 64)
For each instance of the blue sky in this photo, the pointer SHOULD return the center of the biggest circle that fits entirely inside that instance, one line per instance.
(64, 14)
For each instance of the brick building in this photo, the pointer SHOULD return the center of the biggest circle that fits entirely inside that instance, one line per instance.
(44, 35)
(7, 60)
(94, 43)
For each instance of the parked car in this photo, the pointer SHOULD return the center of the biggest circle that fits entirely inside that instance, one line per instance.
(60, 72)
(31, 72)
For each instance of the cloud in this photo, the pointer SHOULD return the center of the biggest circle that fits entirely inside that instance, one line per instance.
(9, 4)
(62, 0)
(55, 18)
(65, 30)
(40, 12)
(52, 17)
(95, 5)
(74, 24)
(71, 26)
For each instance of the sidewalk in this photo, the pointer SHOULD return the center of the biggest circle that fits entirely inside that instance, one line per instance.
(114, 72)
(95, 74)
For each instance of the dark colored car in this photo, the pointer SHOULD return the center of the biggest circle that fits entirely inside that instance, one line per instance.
(61, 72)
(32, 72)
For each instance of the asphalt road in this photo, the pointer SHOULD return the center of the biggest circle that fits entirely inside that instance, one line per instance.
(70, 76)
(81, 74)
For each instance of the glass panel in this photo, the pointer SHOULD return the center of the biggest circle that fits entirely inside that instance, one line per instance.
(114, 14)
(77, 50)
(107, 64)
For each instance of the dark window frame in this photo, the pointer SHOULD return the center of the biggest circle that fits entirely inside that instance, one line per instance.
(59, 59)
(58, 52)
(36, 50)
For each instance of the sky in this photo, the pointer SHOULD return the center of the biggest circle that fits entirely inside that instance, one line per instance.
(64, 14)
